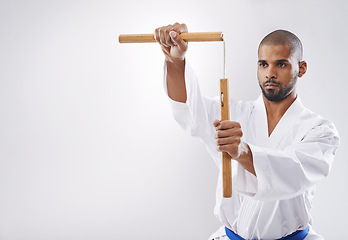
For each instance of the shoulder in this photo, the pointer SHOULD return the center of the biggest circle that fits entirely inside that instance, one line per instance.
(317, 127)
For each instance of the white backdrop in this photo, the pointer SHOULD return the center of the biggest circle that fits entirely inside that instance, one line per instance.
(88, 146)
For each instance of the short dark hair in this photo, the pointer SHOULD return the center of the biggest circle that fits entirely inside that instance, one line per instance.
(283, 37)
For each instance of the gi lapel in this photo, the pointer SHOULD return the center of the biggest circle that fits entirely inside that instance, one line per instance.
(285, 126)
(260, 123)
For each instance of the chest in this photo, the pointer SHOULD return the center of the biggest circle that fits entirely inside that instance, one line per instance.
(278, 133)
(272, 123)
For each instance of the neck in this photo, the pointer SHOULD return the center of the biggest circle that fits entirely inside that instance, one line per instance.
(276, 110)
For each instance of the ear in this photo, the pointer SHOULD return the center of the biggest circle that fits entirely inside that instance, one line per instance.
(302, 68)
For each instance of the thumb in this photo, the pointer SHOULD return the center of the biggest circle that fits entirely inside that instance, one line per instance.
(177, 40)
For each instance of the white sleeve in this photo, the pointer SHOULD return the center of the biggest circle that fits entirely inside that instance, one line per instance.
(288, 173)
(196, 116)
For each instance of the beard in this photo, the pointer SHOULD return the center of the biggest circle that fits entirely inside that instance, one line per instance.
(280, 93)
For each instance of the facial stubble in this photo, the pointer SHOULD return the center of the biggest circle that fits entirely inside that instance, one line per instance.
(277, 95)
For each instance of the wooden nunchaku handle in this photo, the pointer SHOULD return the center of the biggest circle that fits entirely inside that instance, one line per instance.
(226, 158)
(188, 37)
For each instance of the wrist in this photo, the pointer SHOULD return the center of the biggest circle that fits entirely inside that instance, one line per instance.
(243, 148)
(175, 60)
(245, 158)
(244, 153)
(176, 64)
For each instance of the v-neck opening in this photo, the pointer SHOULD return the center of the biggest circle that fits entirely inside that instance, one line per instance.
(287, 118)
(276, 126)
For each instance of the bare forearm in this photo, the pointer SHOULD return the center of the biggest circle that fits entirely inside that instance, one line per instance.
(176, 80)
(246, 159)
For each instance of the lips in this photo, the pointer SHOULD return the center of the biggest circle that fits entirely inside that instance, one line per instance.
(271, 85)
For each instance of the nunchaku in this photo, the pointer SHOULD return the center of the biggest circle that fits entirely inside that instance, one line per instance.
(224, 97)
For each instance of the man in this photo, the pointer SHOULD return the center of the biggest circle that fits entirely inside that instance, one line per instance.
(280, 149)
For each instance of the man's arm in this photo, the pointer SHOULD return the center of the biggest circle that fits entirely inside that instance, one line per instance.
(174, 49)
(176, 81)
(281, 174)
(228, 139)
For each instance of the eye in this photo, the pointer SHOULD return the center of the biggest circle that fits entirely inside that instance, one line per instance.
(263, 64)
(281, 64)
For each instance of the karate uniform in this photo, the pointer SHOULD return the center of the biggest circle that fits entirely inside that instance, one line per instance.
(298, 154)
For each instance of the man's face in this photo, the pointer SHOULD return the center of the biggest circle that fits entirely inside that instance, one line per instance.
(277, 72)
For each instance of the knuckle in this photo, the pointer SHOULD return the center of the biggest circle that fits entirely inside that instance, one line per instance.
(239, 133)
(236, 124)
(185, 28)
(157, 31)
(166, 33)
(222, 124)
(218, 134)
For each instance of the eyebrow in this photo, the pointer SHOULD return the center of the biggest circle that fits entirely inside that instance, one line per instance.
(282, 60)
(278, 61)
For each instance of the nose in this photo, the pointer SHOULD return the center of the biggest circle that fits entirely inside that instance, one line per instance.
(271, 73)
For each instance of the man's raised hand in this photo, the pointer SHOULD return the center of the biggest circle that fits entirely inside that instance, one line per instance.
(173, 46)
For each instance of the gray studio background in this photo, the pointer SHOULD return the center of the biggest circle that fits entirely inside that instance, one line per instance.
(88, 146)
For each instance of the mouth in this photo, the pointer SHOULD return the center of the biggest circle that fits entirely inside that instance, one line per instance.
(271, 86)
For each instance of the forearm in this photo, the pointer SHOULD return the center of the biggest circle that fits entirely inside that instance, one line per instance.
(286, 173)
(176, 80)
(245, 158)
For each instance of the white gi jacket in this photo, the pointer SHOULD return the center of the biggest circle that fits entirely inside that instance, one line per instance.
(298, 154)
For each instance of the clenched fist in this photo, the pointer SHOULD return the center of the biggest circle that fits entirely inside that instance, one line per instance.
(228, 137)
(173, 46)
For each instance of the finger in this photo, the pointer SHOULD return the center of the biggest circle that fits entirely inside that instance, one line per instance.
(230, 148)
(178, 41)
(162, 37)
(172, 36)
(233, 132)
(180, 28)
(156, 35)
(168, 38)
(228, 140)
(165, 34)
(216, 123)
(226, 124)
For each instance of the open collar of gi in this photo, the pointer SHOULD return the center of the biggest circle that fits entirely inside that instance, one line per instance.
(284, 125)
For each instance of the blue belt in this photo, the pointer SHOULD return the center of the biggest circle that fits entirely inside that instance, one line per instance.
(298, 235)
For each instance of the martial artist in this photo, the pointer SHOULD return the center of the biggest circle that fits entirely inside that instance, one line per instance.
(280, 149)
